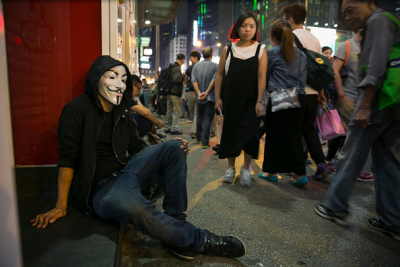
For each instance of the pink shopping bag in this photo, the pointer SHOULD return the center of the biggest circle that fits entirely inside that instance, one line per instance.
(330, 124)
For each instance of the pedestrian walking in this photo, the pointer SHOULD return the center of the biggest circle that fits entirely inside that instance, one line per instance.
(369, 127)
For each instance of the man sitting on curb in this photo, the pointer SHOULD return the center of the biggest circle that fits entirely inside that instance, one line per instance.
(107, 167)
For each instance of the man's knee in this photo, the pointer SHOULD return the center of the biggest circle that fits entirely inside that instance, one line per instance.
(173, 145)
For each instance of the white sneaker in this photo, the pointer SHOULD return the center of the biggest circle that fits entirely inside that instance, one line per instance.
(245, 178)
(229, 175)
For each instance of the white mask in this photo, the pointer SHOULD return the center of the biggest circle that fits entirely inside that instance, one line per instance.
(112, 84)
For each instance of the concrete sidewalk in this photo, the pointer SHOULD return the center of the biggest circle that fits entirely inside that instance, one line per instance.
(276, 221)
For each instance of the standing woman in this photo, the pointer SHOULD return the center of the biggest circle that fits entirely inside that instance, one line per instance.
(244, 63)
(283, 144)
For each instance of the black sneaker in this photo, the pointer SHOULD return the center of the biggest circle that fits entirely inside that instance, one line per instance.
(162, 136)
(225, 246)
(378, 225)
(342, 218)
(182, 253)
(167, 131)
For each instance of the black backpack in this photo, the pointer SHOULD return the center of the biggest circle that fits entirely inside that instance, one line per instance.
(319, 68)
(164, 81)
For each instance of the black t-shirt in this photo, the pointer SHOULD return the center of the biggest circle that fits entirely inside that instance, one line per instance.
(188, 73)
(107, 162)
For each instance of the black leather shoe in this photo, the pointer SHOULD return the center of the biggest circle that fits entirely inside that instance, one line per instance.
(224, 246)
(182, 253)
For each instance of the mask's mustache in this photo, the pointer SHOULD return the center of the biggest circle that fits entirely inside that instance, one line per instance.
(118, 90)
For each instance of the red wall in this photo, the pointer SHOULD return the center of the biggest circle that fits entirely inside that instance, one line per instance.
(50, 47)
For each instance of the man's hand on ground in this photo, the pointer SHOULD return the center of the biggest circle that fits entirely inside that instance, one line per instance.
(184, 145)
(42, 220)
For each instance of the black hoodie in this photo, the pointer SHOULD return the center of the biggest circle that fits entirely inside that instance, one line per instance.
(79, 128)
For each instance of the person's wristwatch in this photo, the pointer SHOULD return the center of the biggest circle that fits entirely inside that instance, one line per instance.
(261, 102)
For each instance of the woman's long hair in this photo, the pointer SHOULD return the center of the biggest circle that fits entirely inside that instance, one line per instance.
(234, 32)
(282, 33)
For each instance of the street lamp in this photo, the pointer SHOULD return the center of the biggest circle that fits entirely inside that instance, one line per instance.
(218, 44)
(198, 44)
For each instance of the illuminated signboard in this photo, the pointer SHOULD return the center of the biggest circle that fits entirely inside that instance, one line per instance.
(195, 32)
(145, 65)
(147, 51)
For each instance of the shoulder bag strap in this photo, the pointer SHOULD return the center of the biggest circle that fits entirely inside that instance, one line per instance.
(347, 53)
(298, 80)
(298, 43)
(393, 18)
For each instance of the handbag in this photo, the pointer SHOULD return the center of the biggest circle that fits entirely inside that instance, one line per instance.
(389, 95)
(330, 125)
(285, 98)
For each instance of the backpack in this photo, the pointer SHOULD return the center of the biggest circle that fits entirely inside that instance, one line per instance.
(319, 68)
(389, 95)
(164, 81)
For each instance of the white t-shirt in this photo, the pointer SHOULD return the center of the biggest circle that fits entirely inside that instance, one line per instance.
(243, 53)
(309, 41)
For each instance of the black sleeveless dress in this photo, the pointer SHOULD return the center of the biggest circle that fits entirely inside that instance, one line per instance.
(241, 125)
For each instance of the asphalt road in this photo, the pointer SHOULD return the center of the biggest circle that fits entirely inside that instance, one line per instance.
(276, 221)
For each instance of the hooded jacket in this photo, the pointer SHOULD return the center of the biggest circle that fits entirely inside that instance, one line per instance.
(80, 124)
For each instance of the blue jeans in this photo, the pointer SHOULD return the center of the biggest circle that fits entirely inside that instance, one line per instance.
(205, 112)
(384, 140)
(121, 197)
(146, 98)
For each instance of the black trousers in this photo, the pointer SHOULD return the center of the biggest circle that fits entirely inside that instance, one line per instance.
(309, 108)
(283, 145)
(333, 147)
(161, 105)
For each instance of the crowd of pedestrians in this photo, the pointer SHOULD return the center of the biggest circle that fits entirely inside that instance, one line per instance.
(237, 96)
(238, 93)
